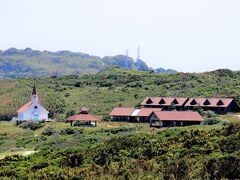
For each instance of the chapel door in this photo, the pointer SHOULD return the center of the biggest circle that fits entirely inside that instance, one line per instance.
(36, 116)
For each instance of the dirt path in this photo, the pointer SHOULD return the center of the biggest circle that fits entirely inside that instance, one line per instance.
(23, 153)
(26, 153)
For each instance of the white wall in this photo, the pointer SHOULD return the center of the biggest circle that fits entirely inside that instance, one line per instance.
(28, 114)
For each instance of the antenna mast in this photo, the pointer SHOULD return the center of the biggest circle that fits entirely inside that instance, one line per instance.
(138, 58)
(138, 53)
(127, 53)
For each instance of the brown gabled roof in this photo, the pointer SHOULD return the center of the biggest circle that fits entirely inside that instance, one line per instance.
(178, 116)
(209, 102)
(164, 101)
(121, 111)
(145, 112)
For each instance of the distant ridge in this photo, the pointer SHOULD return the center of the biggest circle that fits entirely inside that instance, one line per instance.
(27, 63)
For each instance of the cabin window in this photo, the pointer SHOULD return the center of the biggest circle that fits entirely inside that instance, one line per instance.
(162, 101)
(149, 101)
(220, 103)
(207, 102)
(175, 102)
(193, 102)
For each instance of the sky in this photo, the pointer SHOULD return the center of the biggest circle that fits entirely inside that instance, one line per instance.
(185, 35)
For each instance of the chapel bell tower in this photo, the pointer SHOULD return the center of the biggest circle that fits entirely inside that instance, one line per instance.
(34, 97)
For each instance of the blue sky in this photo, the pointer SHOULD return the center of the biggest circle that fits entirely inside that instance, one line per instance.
(186, 35)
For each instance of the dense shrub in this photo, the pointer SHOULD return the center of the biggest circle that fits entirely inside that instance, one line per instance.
(73, 160)
(120, 130)
(32, 125)
(68, 131)
(71, 130)
(224, 167)
(49, 131)
(211, 121)
(208, 114)
(174, 153)
(70, 113)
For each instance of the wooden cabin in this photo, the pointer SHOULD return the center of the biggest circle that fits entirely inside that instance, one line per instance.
(175, 118)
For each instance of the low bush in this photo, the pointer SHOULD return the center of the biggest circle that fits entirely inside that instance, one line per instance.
(32, 125)
(49, 131)
(120, 130)
(208, 114)
(70, 131)
(211, 121)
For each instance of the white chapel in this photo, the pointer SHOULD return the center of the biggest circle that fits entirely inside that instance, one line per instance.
(32, 111)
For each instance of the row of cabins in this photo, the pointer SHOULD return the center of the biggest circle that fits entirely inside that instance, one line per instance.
(169, 111)
(217, 105)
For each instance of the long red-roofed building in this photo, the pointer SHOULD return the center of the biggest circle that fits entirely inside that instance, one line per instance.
(166, 103)
(132, 114)
(175, 118)
(121, 114)
(218, 105)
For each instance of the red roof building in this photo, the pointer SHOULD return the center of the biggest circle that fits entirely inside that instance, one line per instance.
(164, 102)
(132, 114)
(121, 114)
(178, 116)
(122, 111)
(218, 105)
(84, 117)
(146, 112)
(175, 118)
(209, 102)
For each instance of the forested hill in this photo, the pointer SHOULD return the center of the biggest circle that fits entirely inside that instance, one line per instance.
(27, 63)
(113, 87)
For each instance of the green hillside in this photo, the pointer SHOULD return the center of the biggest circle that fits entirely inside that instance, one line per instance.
(118, 150)
(112, 88)
(27, 63)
